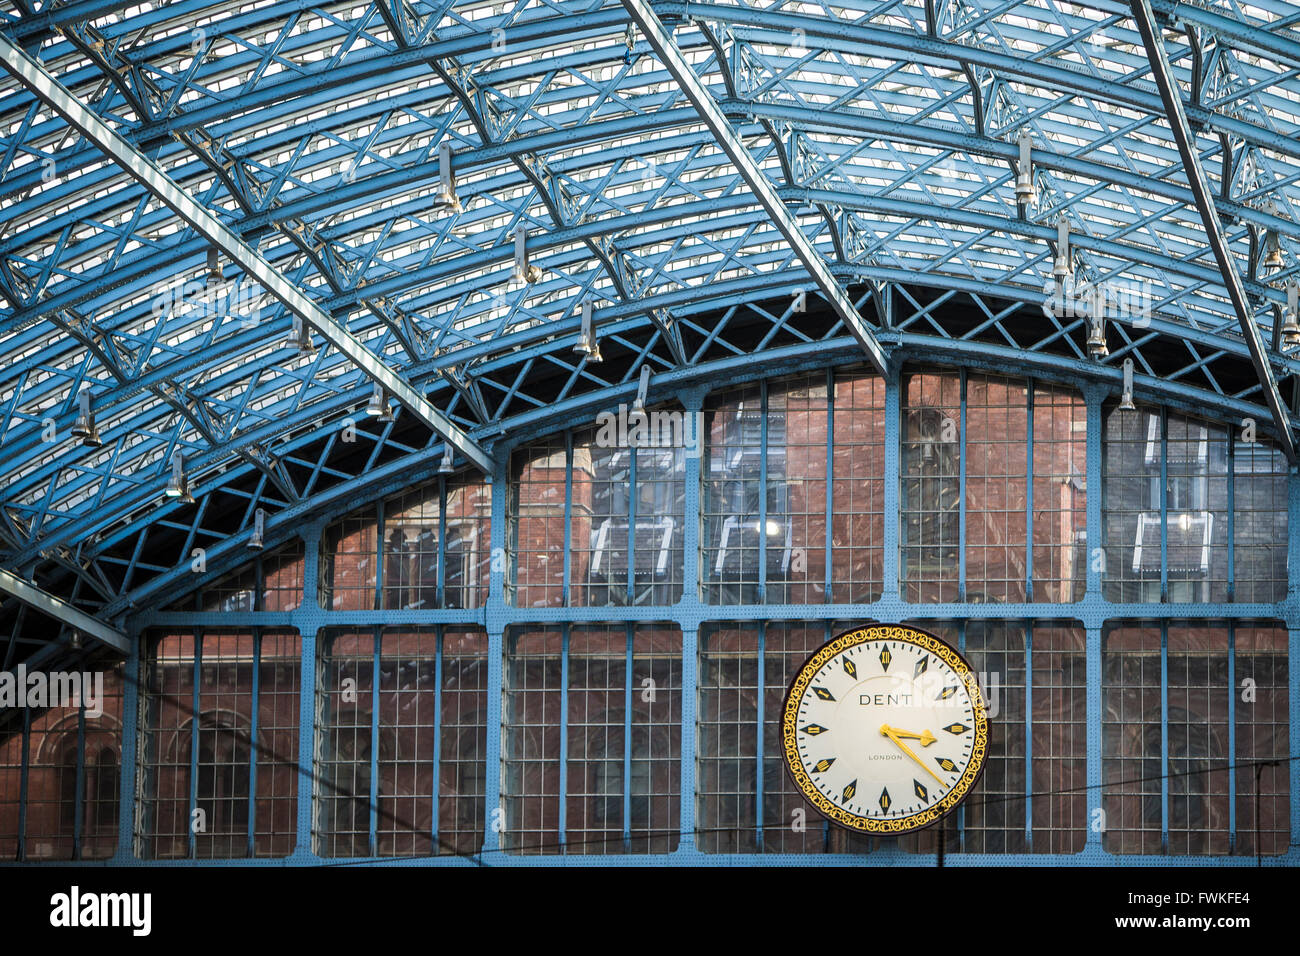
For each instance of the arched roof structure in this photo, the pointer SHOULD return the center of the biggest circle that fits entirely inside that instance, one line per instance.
(315, 133)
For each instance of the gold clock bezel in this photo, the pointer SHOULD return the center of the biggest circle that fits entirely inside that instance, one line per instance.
(789, 729)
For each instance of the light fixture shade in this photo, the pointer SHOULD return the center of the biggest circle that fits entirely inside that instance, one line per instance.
(178, 486)
(300, 339)
(1024, 171)
(1097, 337)
(642, 390)
(257, 539)
(1024, 188)
(523, 271)
(1291, 315)
(83, 427)
(214, 265)
(588, 344)
(445, 197)
(379, 407)
(1064, 266)
(588, 347)
(447, 465)
(1291, 331)
(448, 200)
(1272, 251)
(1126, 396)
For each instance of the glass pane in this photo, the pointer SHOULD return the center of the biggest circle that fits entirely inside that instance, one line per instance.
(858, 490)
(930, 529)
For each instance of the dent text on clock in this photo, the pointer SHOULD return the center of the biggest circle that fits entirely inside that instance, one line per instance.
(872, 699)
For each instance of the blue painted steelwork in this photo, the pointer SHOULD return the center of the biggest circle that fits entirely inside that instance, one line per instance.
(692, 609)
(442, 548)
(961, 810)
(879, 857)
(436, 785)
(78, 326)
(1232, 736)
(192, 818)
(1029, 490)
(627, 737)
(568, 520)
(1029, 734)
(954, 609)
(631, 525)
(129, 790)
(79, 791)
(1292, 617)
(1245, 213)
(1087, 369)
(382, 537)
(254, 712)
(238, 104)
(1232, 517)
(961, 488)
(1171, 94)
(563, 796)
(495, 618)
(762, 494)
(256, 105)
(1097, 819)
(893, 429)
(1164, 737)
(24, 781)
(1097, 822)
(311, 616)
(830, 481)
(1164, 505)
(373, 796)
(1086, 609)
(760, 681)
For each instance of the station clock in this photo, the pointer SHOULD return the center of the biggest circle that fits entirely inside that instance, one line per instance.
(884, 729)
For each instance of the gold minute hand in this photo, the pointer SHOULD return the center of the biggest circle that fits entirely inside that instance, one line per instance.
(893, 735)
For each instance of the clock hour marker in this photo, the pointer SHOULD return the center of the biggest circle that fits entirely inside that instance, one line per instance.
(824, 694)
(947, 692)
(920, 790)
(884, 800)
(945, 763)
(956, 728)
(850, 668)
(885, 658)
(821, 766)
(814, 729)
(921, 665)
(850, 790)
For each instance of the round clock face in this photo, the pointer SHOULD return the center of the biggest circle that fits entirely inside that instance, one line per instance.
(884, 729)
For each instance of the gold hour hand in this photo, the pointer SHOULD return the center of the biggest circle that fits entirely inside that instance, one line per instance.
(896, 736)
(925, 738)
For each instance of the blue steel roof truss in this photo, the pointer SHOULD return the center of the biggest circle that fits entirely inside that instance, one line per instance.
(312, 132)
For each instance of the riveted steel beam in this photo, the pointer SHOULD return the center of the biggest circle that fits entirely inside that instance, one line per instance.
(1177, 118)
(60, 610)
(725, 135)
